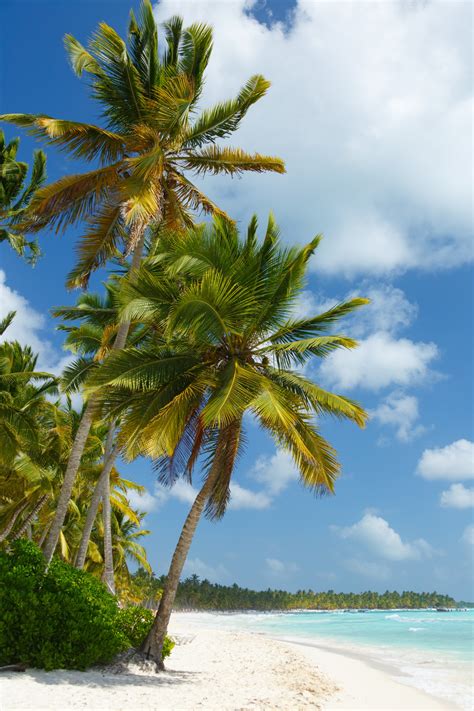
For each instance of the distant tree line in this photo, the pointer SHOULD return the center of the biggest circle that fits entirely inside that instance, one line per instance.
(196, 594)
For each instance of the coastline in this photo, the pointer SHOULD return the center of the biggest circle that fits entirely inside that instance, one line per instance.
(365, 684)
(223, 669)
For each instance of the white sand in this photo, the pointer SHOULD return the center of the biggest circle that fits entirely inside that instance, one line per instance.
(225, 670)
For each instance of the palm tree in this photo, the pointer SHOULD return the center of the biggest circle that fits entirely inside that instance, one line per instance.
(15, 197)
(151, 138)
(22, 402)
(91, 340)
(225, 343)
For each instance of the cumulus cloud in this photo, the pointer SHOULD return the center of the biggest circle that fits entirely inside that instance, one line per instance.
(181, 490)
(458, 496)
(389, 310)
(380, 361)
(468, 535)
(278, 567)
(144, 501)
(368, 143)
(375, 533)
(148, 502)
(242, 498)
(215, 574)
(275, 472)
(455, 461)
(29, 327)
(400, 411)
(308, 304)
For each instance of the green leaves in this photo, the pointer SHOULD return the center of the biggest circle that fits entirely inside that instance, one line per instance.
(299, 351)
(213, 307)
(15, 197)
(81, 140)
(234, 391)
(151, 137)
(216, 306)
(224, 118)
(230, 161)
(305, 328)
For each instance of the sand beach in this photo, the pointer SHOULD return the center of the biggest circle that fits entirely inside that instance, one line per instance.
(228, 670)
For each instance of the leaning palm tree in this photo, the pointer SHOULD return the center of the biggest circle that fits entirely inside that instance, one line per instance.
(151, 138)
(225, 343)
(15, 196)
(90, 339)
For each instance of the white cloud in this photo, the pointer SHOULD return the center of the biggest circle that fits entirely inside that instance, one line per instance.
(275, 472)
(380, 361)
(241, 498)
(144, 502)
(389, 310)
(183, 491)
(278, 567)
(308, 304)
(196, 566)
(468, 535)
(375, 533)
(28, 328)
(458, 497)
(400, 411)
(455, 461)
(369, 569)
(274, 565)
(375, 148)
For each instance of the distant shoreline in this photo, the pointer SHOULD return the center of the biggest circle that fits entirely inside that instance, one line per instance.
(245, 610)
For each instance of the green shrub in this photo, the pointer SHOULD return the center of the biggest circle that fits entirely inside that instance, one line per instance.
(20, 606)
(135, 623)
(60, 618)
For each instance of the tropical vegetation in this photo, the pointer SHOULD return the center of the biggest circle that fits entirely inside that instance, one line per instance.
(223, 341)
(59, 617)
(151, 138)
(16, 196)
(37, 431)
(198, 328)
(195, 593)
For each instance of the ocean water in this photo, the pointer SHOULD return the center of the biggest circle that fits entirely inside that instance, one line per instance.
(431, 650)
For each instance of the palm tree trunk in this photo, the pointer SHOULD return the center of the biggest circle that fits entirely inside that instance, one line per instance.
(109, 457)
(152, 647)
(79, 443)
(12, 521)
(43, 536)
(26, 526)
(69, 479)
(108, 574)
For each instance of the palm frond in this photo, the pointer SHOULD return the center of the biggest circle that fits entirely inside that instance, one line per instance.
(99, 244)
(82, 140)
(224, 118)
(305, 328)
(71, 198)
(230, 161)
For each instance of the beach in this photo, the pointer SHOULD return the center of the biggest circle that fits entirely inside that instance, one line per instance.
(222, 669)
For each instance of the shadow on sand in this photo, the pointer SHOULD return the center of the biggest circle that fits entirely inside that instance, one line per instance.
(100, 679)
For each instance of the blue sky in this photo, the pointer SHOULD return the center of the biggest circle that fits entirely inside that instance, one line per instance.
(370, 109)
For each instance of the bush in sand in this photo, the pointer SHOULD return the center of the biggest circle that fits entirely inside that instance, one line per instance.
(60, 617)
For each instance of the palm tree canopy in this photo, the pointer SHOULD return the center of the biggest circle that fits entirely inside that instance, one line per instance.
(152, 136)
(225, 341)
(15, 196)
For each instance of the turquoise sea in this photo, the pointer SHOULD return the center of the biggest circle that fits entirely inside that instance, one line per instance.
(428, 649)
